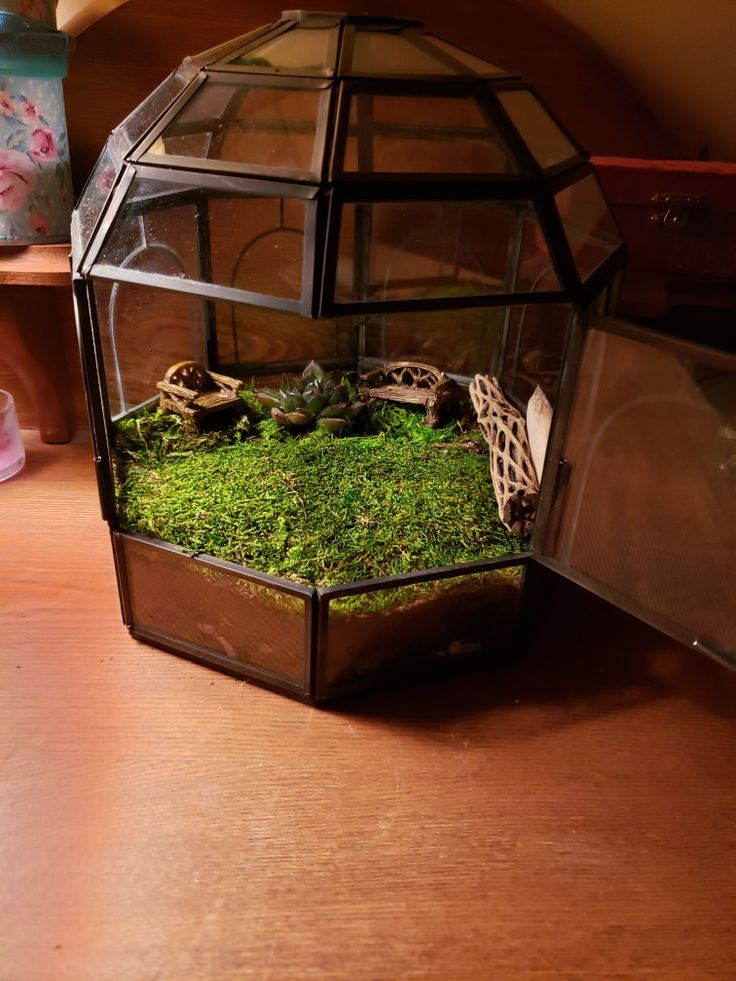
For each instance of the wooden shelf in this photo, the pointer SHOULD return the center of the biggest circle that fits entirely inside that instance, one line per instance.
(35, 265)
(75, 16)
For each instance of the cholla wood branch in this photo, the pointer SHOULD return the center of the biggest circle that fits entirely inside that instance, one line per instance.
(538, 425)
(512, 471)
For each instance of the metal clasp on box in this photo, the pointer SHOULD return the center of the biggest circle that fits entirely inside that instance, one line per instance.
(677, 210)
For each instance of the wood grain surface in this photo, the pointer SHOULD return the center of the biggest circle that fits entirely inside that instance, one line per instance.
(39, 359)
(35, 265)
(567, 815)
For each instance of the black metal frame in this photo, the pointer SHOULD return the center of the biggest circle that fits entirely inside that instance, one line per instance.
(325, 190)
(322, 237)
(95, 387)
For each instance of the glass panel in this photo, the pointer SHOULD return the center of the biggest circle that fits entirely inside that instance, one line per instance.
(299, 50)
(270, 259)
(423, 249)
(257, 125)
(540, 132)
(253, 243)
(417, 134)
(263, 340)
(215, 609)
(460, 342)
(412, 628)
(379, 53)
(144, 331)
(535, 343)
(476, 65)
(142, 118)
(589, 226)
(650, 507)
(92, 201)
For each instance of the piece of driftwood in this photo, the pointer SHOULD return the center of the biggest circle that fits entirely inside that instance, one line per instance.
(512, 471)
(538, 425)
(196, 394)
(413, 383)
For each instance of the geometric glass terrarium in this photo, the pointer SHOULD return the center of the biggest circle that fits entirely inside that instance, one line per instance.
(353, 191)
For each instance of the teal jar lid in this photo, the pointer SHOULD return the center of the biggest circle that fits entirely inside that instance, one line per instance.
(32, 50)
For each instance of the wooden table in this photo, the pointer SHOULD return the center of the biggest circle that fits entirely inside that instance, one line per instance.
(570, 815)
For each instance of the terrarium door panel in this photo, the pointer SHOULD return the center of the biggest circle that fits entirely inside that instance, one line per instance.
(643, 508)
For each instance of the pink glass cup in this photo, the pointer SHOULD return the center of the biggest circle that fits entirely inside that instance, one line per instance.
(12, 451)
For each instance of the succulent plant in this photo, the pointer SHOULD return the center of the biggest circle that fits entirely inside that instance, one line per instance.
(314, 399)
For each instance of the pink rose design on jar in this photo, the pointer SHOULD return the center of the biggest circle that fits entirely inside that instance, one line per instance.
(7, 106)
(17, 179)
(43, 145)
(31, 111)
(40, 224)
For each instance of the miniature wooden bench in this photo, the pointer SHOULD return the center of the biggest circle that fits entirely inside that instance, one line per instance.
(195, 393)
(414, 383)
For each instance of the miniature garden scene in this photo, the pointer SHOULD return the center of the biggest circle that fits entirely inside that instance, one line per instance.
(317, 480)
(337, 478)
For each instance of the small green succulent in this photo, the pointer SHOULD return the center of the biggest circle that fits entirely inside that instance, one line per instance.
(314, 399)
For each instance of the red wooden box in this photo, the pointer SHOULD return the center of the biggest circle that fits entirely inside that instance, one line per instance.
(678, 219)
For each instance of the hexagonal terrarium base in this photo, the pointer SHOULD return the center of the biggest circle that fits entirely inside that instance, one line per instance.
(334, 559)
(309, 642)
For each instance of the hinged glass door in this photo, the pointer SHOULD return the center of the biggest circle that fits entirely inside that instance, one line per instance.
(639, 494)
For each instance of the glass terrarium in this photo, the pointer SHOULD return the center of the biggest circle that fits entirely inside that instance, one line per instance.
(282, 260)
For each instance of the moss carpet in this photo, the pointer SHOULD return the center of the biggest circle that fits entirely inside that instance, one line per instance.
(321, 509)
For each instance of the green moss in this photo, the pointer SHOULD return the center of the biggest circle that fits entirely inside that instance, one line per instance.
(404, 596)
(315, 509)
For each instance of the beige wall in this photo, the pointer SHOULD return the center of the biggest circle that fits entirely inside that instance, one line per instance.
(680, 55)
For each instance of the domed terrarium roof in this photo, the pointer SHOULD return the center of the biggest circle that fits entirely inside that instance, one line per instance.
(330, 133)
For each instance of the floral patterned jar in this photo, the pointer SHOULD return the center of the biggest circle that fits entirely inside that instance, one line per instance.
(35, 177)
